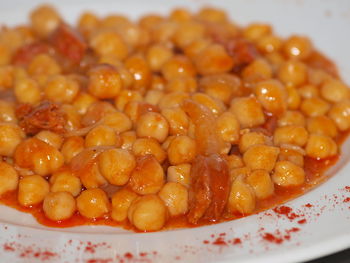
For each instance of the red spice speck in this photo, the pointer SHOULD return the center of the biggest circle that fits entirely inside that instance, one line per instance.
(236, 241)
(90, 249)
(308, 205)
(205, 241)
(220, 242)
(177, 258)
(143, 254)
(347, 188)
(294, 229)
(346, 200)
(8, 247)
(128, 255)
(286, 211)
(272, 238)
(222, 234)
(302, 221)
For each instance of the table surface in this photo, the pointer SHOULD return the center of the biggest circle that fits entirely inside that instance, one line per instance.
(340, 257)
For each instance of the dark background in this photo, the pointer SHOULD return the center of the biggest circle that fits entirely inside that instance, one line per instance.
(340, 257)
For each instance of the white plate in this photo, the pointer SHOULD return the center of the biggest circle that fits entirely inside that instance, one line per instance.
(327, 222)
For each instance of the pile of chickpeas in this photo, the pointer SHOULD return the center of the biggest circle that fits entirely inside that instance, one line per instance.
(128, 143)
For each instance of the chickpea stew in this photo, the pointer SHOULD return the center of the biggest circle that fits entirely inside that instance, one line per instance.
(168, 121)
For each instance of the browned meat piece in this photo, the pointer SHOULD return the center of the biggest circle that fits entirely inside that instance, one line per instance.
(69, 43)
(26, 53)
(209, 188)
(45, 116)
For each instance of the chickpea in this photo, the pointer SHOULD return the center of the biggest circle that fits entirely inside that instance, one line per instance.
(141, 72)
(10, 136)
(108, 42)
(51, 138)
(118, 121)
(186, 84)
(71, 147)
(308, 91)
(335, 91)
(43, 65)
(72, 117)
(38, 156)
(147, 213)
(317, 77)
(292, 155)
(214, 105)
(253, 32)
(8, 178)
(321, 146)
(27, 90)
(256, 71)
(314, 107)
(116, 165)
(269, 44)
(293, 98)
(59, 206)
(149, 22)
(250, 139)
(292, 72)
(164, 31)
(182, 149)
(187, 32)
(179, 174)
(296, 135)
(104, 82)
(44, 20)
(147, 177)
(126, 96)
(178, 66)
(248, 111)
(261, 157)
(228, 127)
(85, 167)
(241, 198)
(87, 23)
(272, 96)
(7, 112)
(175, 198)
(136, 109)
(145, 146)
(32, 190)
(290, 118)
(61, 89)
(153, 96)
(177, 119)
(101, 135)
(6, 77)
(261, 182)
(125, 75)
(297, 47)
(65, 181)
(340, 114)
(234, 161)
(121, 202)
(157, 55)
(127, 140)
(152, 125)
(210, 14)
(96, 112)
(288, 174)
(243, 172)
(195, 47)
(213, 59)
(322, 125)
(180, 15)
(173, 99)
(221, 86)
(93, 203)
